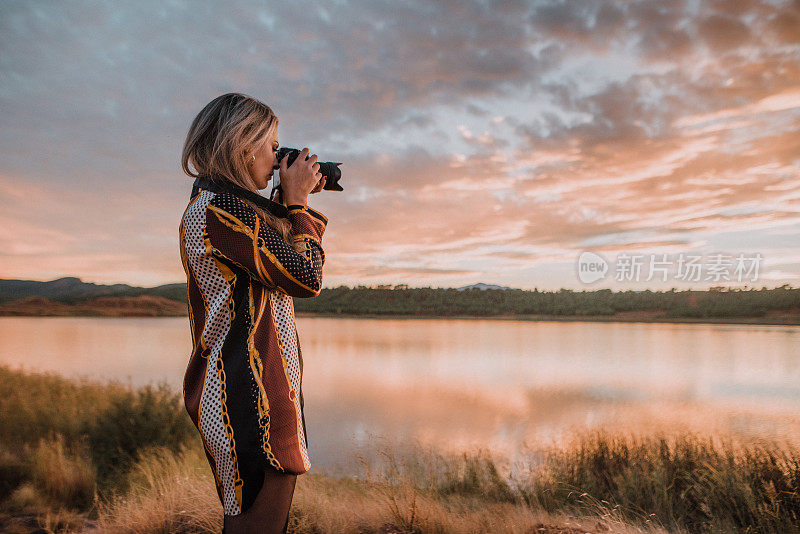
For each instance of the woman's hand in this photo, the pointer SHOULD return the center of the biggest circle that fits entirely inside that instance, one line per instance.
(300, 179)
(320, 185)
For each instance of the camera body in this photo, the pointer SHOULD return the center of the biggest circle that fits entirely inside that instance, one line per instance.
(329, 169)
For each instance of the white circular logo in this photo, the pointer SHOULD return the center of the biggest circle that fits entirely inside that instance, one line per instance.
(591, 267)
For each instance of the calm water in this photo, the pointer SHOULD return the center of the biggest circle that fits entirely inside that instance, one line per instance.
(460, 384)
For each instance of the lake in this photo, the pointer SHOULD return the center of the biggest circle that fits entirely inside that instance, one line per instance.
(453, 385)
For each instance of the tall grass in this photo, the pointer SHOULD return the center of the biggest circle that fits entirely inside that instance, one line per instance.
(41, 405)
(63, 476)
(128, 459)
(133, 421)
(175, 494)
(65, 441)
(684, 482)
(603, 483)
(167, 493)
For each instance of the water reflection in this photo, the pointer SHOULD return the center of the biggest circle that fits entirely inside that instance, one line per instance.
(459, 384)
(657, 359)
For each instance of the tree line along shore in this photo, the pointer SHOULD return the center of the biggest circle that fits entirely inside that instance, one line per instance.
(72, 297)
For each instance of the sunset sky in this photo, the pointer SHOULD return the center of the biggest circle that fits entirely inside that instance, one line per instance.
(482, 141)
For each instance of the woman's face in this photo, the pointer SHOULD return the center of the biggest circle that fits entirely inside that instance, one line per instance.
(265, 161)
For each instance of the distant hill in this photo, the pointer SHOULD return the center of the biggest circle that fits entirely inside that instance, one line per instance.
(483, 287)
(70, 290)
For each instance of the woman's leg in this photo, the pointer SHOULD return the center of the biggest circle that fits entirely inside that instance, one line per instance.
(270, 511)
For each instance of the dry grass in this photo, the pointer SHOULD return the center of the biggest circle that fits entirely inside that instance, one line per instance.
(66, 478)
(176, 494)
(625, 481)
(687, 482)
(47, 476)
(41, 405)
(168, 493)
(327, 505)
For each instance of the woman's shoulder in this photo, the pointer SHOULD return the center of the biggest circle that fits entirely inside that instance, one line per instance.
(233, 205)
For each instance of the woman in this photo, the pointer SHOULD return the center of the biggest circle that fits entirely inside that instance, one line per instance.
(245, 257)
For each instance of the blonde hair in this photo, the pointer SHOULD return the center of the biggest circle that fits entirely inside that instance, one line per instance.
(221, 138)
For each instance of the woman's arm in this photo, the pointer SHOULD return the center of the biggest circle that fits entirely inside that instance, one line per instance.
(235, 234)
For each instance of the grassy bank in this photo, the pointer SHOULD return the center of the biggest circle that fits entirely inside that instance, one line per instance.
(77, 456)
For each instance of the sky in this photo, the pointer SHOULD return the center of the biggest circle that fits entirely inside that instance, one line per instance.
(525, 144)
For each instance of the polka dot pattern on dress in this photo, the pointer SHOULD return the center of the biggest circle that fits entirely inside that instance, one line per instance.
(217, 295)
(284, 320)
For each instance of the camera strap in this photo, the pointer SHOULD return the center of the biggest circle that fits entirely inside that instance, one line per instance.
(224, 186)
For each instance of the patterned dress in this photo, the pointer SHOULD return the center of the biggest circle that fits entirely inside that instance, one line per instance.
(242, 386)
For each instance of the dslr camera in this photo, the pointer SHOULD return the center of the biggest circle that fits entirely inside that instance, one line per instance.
(329, 169)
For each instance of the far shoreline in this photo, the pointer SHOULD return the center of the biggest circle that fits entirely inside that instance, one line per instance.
(787, 320)
(771, 319)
